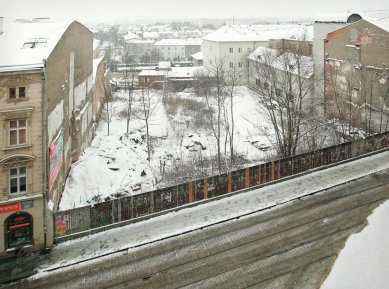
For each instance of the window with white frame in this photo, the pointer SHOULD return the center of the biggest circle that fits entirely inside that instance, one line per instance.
(17, 132)
(240, 64)
(240, 50)
(17, 92)
(231, 64)
(231, 50)
(18, 180)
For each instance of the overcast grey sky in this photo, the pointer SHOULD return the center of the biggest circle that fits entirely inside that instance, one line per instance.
(92, 10)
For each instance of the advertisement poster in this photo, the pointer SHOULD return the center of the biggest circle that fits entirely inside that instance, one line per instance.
(56, 156)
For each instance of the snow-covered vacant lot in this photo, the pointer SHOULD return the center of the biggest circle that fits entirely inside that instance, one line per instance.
(182, 139)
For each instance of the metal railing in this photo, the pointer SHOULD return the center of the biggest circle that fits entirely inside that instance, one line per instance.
(83, 219)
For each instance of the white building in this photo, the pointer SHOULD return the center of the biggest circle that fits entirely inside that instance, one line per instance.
(178, 49)
(231, 45)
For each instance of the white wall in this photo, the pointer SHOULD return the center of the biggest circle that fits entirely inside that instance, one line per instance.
(217, 51)
(320, 31)
(55, 121)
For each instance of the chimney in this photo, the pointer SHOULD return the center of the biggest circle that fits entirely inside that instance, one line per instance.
(1, 24)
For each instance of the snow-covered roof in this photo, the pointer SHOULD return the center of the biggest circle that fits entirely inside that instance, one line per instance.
(286, 61)
(248, 33)
(139, 41)
(183, 42)
(96, 63)
(130, 36)
(175, 72)
(379, 18)
(152, 72)
(24, 46)
(198, 55)
(333, 17)
(96, 43)
(150, 35)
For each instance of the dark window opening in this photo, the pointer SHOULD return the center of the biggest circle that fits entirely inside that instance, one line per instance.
(12, 92)
(19, 230)
(22, 92)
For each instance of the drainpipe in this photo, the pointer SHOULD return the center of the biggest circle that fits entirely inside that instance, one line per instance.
(43, 147)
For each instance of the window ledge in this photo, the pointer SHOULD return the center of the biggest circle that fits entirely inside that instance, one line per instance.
(17, 195)
(21, 147)
(16, 100)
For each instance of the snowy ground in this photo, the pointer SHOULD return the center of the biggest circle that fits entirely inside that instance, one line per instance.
(364, 262)
(117, 164)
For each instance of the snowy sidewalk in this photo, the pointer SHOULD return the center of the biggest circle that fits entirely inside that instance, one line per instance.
(188, 219)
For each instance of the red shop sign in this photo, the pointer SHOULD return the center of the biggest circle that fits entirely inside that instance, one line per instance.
(6, 208)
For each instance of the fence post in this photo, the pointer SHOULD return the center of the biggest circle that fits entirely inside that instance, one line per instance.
(259, 174)
(205, 188)
(247, 177)
(272, 170)
(190, 200)
(229, 189)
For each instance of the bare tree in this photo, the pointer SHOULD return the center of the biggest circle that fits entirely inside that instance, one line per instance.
(215, 98)
(284, 82)
(108, 105)
(231, 83)
(148, 103)
(129, 78)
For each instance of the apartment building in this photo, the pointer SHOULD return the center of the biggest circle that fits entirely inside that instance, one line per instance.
(46, 120)
(230, 45)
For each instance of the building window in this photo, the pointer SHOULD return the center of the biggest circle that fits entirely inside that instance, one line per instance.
(18, 180)
(258, 82)
(240, 64)
(240, 50)
(231, 50)
(17, 132)
(146, 80)
(231, 64)
(17, 92)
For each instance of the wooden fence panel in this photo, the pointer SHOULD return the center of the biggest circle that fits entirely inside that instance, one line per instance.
(142, 204)
(198, 190)
(101, 214)
(183, 194)
(125, 208)
(238, 180)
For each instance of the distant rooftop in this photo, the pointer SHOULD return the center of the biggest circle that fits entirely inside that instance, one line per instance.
(379, 18)
(272, 57)
(245, 33)
(198, 55)
(188, 41)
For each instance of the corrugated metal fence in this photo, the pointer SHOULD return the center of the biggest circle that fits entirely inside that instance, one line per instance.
(86, 218)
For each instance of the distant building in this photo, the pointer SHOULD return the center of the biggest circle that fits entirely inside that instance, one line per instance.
(174, 78)
(282, 70)
(46, 120)
(232, 44)
(178, 49)
(197, 59)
